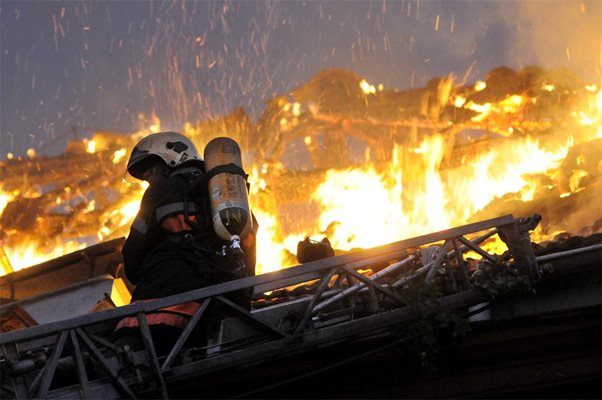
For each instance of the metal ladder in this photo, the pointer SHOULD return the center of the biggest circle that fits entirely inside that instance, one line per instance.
(74, 358)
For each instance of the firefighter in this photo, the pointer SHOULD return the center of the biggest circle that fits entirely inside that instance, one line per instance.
(172, 246)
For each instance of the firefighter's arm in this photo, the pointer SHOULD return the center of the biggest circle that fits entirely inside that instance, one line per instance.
(133, 252)
(143, 232)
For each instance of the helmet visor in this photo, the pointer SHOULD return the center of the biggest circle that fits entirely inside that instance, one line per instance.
(136, 168)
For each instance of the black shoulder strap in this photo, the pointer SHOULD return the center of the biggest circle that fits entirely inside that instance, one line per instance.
(230, 168)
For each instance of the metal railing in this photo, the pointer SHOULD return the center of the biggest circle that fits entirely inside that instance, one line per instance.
(30, 358)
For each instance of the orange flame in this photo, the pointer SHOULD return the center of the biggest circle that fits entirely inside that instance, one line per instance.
(415, 193)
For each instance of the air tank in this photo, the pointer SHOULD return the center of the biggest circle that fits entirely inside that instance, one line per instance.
(227, 190)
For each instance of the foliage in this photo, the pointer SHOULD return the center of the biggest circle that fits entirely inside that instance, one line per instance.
(500, 280)
(434, 323)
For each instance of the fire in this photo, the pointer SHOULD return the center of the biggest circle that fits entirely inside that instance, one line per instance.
(270, 253)
(480, 85)
(599, 113)
(90, 146)
(364, 208)
(482, 109)
(417, 190)
(512, 104)
(5, 198)
(118, 156)
(31, 254)
(366, 87)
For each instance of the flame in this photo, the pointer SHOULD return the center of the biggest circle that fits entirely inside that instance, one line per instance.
(599, 113)
(90, 146)
(483, 109)
(365, 208)
(512, 104)
(479, 86)
(30, 254)
(459, 101)
(414, 193)
(366, 87)
(118, 156)
(270, 252)
(575, 180)
(5, 198)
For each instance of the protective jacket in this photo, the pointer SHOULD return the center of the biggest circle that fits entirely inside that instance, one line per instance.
(172, 247)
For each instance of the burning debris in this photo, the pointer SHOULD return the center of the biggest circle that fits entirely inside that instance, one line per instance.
(369, 164)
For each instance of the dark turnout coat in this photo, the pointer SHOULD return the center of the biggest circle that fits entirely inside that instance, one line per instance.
(162, 263)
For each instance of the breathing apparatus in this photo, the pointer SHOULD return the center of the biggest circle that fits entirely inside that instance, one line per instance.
(224, 176)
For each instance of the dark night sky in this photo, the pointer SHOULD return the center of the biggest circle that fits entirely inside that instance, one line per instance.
(101, 65)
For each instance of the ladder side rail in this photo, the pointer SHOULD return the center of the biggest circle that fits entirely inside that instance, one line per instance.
(461, 264)
(298, 274)
(426, 269)
(443, 254)
(316, 337)
(458, 253)
(47, 341)
(331, 333)
(362, 278)
(250, 317)
(220, 289)
(363, 257)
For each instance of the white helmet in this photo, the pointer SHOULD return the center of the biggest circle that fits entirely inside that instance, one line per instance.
(172, 147)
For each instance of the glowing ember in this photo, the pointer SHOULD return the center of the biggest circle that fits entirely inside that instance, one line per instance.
(366, 87)
(118, 156)
(480, 85)
(90, 146)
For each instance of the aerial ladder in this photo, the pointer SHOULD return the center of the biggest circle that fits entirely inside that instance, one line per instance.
(347, 299)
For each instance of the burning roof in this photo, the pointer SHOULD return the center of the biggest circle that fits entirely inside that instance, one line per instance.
(355, 161)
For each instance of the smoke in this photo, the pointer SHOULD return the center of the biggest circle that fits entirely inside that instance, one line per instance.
(554, 34)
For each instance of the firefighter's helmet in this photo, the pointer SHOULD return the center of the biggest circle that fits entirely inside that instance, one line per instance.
(173, 148)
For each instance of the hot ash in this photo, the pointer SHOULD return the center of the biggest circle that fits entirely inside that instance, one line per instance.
(342, 158)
